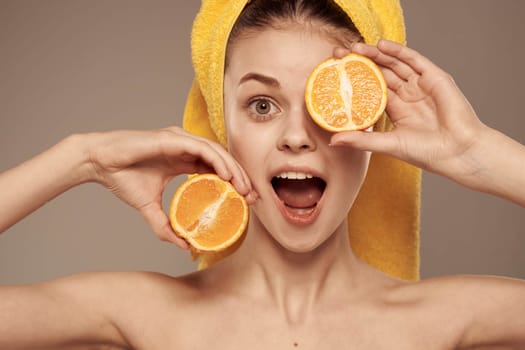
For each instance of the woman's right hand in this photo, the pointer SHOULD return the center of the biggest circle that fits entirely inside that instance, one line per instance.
(137, 165)
(436, 128)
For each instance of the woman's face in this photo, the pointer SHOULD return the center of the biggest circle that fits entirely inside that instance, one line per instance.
(306, 187)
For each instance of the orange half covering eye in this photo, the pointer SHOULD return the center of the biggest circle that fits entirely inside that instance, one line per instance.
(346, 94)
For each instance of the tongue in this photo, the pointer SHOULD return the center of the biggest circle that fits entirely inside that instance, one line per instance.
(299, 193)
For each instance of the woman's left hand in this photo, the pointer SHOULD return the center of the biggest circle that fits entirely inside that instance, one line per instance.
(435, 127)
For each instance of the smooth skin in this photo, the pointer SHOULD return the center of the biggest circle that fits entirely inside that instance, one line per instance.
(275, 292)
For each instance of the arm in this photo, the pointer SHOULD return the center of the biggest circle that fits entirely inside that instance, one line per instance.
(90, 310)
(134, 165)
(485, 312)
(498, 170)
(30, 185)
(59, 314)
(436, 129)
(497, 307)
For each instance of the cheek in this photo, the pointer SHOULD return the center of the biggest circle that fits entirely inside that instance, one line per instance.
(249, 142)
(237, 145)
(352, 167)
(244, 143)
(358, 161)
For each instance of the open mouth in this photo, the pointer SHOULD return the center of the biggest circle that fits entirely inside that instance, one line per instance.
(299, 192)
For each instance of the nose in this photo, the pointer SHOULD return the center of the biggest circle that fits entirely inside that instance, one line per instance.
(297, 132)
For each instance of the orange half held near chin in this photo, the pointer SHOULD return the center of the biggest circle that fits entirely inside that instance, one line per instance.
(208, 213)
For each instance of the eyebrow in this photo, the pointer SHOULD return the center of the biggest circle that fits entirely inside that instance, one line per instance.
(260, 78)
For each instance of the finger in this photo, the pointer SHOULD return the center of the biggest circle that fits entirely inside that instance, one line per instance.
(395, 106)
(246, 180)
(189, 149)
(239, 179)
(201, 168)
(380, 142)
(414, 59)
(178, 142)
(159, 222)
(403, 70)
(198, 167)
(251, 196)
(193, 165)
(171, 145)
(393, 81)
(237, 176)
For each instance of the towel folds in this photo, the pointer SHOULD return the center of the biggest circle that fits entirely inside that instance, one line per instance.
(384, 221)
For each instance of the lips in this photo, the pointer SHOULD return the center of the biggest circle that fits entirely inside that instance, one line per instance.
(298, 195)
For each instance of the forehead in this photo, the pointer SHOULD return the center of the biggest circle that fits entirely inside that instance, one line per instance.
(280, 51)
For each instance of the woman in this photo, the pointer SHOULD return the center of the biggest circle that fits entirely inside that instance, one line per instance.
(294, 282)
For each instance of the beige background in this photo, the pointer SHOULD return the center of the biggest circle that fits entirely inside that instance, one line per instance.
(70, 66)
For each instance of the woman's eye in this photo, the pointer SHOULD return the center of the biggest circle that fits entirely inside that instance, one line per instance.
(263, 108)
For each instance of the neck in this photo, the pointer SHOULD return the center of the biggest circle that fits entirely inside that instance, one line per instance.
(296, 282)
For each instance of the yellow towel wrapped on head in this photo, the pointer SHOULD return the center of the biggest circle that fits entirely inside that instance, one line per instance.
(384, 221)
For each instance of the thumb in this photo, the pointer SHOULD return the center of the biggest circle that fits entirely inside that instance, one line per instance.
(159, 222)
(380, 142)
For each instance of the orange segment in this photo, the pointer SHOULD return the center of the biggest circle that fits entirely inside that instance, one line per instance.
(208, 213)
(346, 94)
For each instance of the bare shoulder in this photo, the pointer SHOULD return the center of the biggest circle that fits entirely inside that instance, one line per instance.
(458, 286)
(466, 290)
(113, 286)
(147, 308)
(139, 291)
(107, 308)
(473, 310)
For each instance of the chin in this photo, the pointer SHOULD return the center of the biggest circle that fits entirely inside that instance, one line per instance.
(301, 240)
(299, 247)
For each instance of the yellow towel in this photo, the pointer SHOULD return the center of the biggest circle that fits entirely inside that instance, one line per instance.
(384, 221)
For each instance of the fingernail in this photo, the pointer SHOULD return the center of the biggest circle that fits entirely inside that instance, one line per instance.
(251, 197)
(335, 142)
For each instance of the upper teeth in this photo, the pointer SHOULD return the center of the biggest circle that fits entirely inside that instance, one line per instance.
(293, 175)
